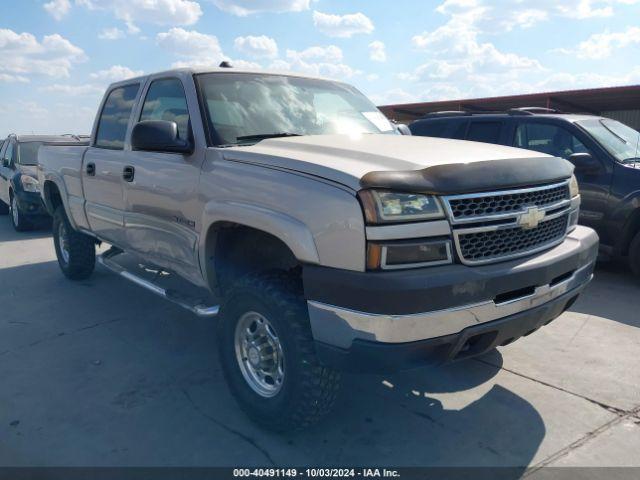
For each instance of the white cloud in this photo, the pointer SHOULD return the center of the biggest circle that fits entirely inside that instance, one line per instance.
(377, 51)
(243, 8)
(111, 34)
(58, 9)
(257, 47)
(342, 26)
(159, 12)
(330, 53)
(7, 78)
(23, 54)
(318, 61)
(74, 90)
(115, 73)
(372, 77)
(602, 45)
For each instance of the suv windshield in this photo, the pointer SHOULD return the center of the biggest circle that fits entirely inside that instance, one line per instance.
(619, 140)
(246, 108)
(28, 153)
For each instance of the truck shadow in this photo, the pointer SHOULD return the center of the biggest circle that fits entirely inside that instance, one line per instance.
(8, 234)
(152, 393)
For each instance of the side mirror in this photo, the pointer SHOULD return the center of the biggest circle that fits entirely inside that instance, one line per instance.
(585, 163)
(159, 136)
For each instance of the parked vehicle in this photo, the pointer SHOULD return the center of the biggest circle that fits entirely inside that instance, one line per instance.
(19, 187)
(605, 153)
(329, 241)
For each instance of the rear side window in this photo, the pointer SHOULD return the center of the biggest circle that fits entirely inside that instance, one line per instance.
(114, 118)
(166, 101)
(546, 138)
(487, 132)
(429, 129)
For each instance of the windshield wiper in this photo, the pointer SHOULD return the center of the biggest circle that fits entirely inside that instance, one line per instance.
(262, 136)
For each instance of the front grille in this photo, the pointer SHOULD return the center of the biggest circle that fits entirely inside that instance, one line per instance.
(491, 245)
(471, 207)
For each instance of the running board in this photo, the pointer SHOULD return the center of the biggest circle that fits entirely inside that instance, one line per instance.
(191, 304)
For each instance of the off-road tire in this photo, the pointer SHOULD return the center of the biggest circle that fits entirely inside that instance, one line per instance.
(81, 248)
(634, 255)
(308, 389)
(19, 220)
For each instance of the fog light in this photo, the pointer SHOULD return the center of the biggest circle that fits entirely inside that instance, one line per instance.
(408, 254)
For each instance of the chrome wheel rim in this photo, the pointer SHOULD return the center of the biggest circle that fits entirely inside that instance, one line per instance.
(259, 354)
(63, 243)
(14, 212)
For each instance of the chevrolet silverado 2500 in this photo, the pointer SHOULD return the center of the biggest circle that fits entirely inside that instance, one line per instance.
(325, 240)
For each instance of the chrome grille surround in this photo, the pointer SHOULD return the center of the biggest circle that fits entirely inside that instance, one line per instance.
(495, 235)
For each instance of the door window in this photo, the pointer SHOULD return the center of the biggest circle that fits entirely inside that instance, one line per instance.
(114, 119)
(487, 132)
(546, 138)
(166, 101)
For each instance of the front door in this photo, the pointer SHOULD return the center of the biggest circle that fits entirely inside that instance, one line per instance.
(103, 164)
(557, 140)
(162, 194)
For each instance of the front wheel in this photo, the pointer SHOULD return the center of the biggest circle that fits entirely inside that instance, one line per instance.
(18, 219)
(76, 251)
(634, 255)
(268, 355)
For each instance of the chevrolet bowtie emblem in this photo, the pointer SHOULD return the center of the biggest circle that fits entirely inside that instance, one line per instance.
(531, 218)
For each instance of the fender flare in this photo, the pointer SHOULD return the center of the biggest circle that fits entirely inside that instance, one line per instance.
(59, 183)
(292, 232)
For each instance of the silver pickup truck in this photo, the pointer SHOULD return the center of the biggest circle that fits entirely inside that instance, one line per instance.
(291, 209)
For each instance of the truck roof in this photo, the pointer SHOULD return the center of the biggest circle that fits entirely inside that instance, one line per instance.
(200, 70)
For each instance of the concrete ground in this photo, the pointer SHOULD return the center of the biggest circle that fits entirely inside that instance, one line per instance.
(103, 373)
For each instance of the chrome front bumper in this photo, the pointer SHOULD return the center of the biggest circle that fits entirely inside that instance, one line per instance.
(339, 326)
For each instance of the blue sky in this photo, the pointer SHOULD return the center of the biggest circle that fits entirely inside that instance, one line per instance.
(59, 55)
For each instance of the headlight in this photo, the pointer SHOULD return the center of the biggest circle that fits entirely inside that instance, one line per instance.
(389, 207)
(30, 184)
(573, 186)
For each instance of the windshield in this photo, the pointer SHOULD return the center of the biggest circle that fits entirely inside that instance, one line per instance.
(619, 140)
(28, 153)
(246, 108)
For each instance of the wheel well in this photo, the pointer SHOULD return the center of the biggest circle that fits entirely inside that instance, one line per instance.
(52, 196)
(234, 250)
(633, 227)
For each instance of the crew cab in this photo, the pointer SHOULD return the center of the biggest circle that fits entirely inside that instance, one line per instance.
(605, 152)
(19, 188)
(289, 208)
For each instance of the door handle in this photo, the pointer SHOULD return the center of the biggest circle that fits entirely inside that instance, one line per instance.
(128, 173)
(91, 169)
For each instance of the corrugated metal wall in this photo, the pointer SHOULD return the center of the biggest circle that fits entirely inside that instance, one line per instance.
(628, 117)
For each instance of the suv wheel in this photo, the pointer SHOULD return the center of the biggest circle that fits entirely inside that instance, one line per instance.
(76, 251)
(634, 255)
(18, 219)
(268, 356)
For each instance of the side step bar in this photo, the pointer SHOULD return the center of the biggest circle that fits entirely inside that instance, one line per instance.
(195, 306)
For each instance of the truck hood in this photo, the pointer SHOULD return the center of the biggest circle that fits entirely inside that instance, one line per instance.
(431, 165)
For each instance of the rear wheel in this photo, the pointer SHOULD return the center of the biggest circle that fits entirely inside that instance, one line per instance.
(76, 251)
(18, 219)
(268, 355)
(634, 255)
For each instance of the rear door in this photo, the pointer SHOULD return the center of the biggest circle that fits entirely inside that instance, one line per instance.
(102, 169)
(162, 205)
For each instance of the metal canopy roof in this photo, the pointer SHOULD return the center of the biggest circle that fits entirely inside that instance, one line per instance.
(595, 101)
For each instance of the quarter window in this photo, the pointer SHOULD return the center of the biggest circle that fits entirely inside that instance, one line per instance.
(114, 119)
(547, 138)
(166, 101)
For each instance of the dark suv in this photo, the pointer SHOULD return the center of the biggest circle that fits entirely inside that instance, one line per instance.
(19, 188)
(605, 154)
